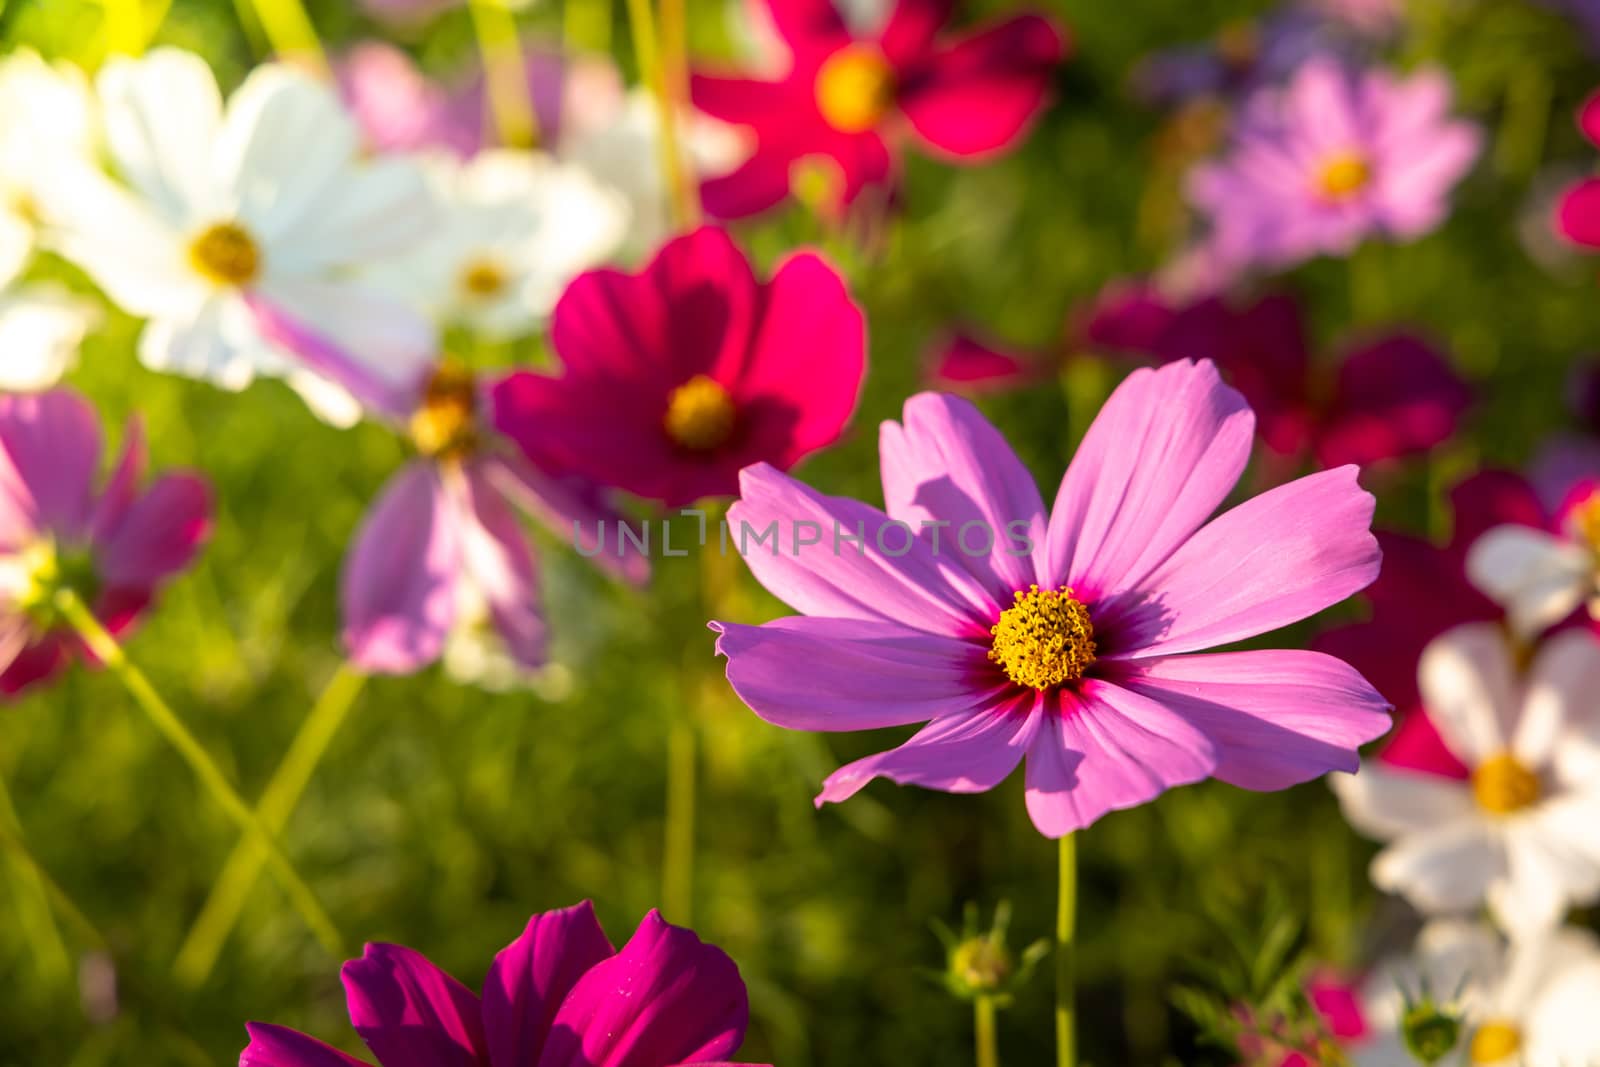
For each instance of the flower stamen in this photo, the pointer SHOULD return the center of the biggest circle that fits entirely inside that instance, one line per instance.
(484, 278)
(700, 414)
(1343, 176)
(445, 425)
(226, 254)
(1495, 1041)
(855, 88)
(1502, 785)
(1044, 639)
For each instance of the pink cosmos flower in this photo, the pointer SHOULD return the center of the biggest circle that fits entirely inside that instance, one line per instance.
(114, 545)
(557, 996)
(676, 378)
(1578, 211)
(848, 98)
(441, 555)
(1065, 637)
(1332, 158)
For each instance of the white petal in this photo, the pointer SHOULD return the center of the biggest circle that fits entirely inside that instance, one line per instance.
(1444, 870)
(162, 114)
(374, 210)
(1468, 684)
(1537, 577)
(41, 327)
(389, 339)
(1563, 686)
(1560, 1028)
(328, 401)
(1543, 879)
(1534, 961)
(1385, 804)
(16, 245)
(207, 345)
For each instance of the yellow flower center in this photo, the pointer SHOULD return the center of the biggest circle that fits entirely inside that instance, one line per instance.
(700, 414)
(1343, 176)
(226, 254)
(855, 88)
(1044, 639)
(1502, 785)
(1585, 521)
(1495, 1041)
(446, 424)
(484, 278)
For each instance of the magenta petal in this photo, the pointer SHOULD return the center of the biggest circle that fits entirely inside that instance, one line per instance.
(572, 510)
(793, 539)
(741, 101)
(394, 392)
(123, 486)
(278, 1046)
(1589, 119)
(963, 752)
(759, 183)
(978, 96)
(496, 558)
(49, 459)
(158, 535)
(1163, 453)
(399, 584)
(859, 675)
(1273, 560)
(973, 366)
(1578, 213)
(946, 464)
(532, 976)
(1276, 718)
(808, 27)
(1105, 749)
(910, 31)
(667, 998)
(34, 663)
(1395, 397)
(410, 1013)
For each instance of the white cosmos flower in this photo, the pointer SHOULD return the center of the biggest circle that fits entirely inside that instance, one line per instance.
(1529, 1003)
(267, 200)
(1522, 834)
(515, 228)
(47, 124)
(1540, 577)
(41, 327)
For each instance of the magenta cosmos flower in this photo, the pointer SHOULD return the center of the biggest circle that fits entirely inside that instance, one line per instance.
(1066, 636)
(1332, 158)
(442, 555)
(676, 378)
(848, 98)
(113, 545)
(1578, 211)
(558, 996)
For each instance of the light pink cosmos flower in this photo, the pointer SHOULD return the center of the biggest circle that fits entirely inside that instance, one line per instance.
(113, 545)
(1334, 157)
(676, 378)
(1062, 636)
(442, 549)
(558, 996)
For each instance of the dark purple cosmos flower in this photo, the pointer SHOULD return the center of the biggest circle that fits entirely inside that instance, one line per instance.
(113, 545)
(847, 99)
(558, 996)
(1069, 637)
(676, 378)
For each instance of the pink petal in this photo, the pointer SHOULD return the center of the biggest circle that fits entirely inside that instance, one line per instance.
(1276, 718)
(1589, 119)
(758, 184)
(1578, 213)
(576, 512)
(1104, 749)
(973, 366)
(947, 464)
(1273, 560)
(1394, 398)
(123, 485)
(666, 998)
(859, 675)
(410, 1013)
(34, 663)
(798, 383)
(496, 558)
(159, 535)
(893, 576)
(978, 96)
(278, 1046)
(741, 101)
(808, 27)
(398, 592)
(963, 752)
(908, 35)
(532, 976)
(1416, 745)
(49, 459)
(1159, 458)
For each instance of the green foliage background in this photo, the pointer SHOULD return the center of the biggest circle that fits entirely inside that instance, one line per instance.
(443, 816)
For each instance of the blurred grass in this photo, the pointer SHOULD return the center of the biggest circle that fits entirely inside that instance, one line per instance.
(443, 816)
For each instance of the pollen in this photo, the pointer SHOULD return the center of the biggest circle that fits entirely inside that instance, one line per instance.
(445, 425)
(855, 88)
(700, 414)
(1494, 1042)
(484, 278)
(226, 254)
(1044, 639)
(1343, 176)
(1502, 785)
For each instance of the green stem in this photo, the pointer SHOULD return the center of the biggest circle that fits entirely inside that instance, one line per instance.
(677, 864)
(33, 897)
(288, 784)
(1066, 955)
(167, 723)
(505, 72)
(656, 75)
(988, 1048)
(291, 33)
(586, 26)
